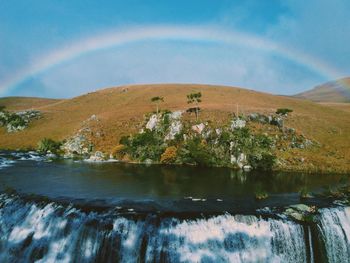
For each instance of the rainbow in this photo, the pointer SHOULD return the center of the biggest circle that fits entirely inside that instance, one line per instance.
(157, 33)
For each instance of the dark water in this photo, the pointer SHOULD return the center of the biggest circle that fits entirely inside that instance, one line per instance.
(65, 211)
(157, 188)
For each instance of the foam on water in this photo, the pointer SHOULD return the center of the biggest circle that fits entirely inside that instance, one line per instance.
(8, 159)
(48, 232)
(334, 227)
(5, 162)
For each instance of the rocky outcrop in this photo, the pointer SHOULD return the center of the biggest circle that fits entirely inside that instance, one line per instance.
(267, 119)
(300, 212)
(76, 145)
(175, 125)
(152, 122)
(79, 144)
(198, 128)
(18, 121)
(240, 160)
(238, 124)
(97, 157)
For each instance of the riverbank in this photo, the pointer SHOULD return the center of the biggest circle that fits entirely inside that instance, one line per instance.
(106, 116)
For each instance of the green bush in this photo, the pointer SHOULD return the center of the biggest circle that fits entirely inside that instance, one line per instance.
(262, 161)
(16, 120)
(263, 141)
(2, 108)
(124, 140)
(195, 152)
(146, 145)
(48, 145)
(283, 111)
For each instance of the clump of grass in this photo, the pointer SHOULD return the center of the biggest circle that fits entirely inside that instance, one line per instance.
(47, 145)
(261, 195)
(304, 193)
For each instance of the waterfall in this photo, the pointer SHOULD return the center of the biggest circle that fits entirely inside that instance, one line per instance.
(334, 227)
(53, 233)
(49, 232)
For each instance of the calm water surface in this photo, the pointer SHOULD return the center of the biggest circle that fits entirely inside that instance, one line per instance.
(157, 187)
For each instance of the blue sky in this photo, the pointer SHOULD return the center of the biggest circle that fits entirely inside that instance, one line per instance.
(314, 32)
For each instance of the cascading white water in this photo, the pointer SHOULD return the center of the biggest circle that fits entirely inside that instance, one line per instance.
(48, 232)
(52, 233)
(334, 228)
(230, 238)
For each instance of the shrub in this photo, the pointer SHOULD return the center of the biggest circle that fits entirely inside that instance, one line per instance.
(16, 120)
(261, 194)
(48, 145)
(119, 150)
(2, 108)
(263, 141)
(169, 155)
(283, 111)
(124, 140)
(262, 161)
(146, 145)
(195, 152)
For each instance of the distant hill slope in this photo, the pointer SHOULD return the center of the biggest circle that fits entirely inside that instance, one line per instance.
(23, 103)
(335, 91)
(121, 110)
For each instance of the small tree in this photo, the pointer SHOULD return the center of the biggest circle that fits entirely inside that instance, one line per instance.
(157, 100)
(2, 108)
(195, 98)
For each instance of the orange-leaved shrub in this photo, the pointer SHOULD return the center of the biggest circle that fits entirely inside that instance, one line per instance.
(169, 155)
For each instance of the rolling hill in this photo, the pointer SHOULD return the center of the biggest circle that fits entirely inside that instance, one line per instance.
(19, 103)
(120, 111)
(335, 91)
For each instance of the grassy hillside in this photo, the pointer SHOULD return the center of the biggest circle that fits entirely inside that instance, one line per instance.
(23, 103)
(337, 105)
(336, 91)
(120, 112)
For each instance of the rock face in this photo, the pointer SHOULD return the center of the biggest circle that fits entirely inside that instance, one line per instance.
(152, 122)
(263, 119)
(240, 160)
(175, 125)
(175, 128)
(75, 145)
(176, 115)
(97, 157)
(79, 144)
(198, 128)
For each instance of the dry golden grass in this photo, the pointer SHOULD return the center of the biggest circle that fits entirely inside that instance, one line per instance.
(121, 110)
(337, 105)
(23, 103)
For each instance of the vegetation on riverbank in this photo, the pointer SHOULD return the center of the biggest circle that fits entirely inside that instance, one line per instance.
(247, 142)
(17, 121)
(120, 111)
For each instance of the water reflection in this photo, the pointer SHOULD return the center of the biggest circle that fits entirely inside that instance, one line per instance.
(111, 180)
